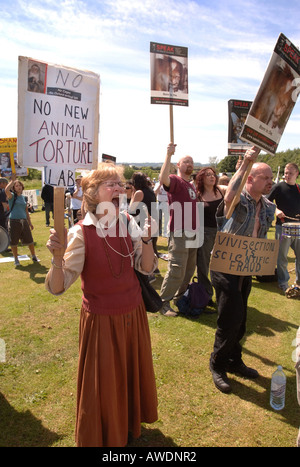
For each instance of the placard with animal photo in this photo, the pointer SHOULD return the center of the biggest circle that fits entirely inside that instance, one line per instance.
(275, 98)
(169, 74)
(8, 158)
(237, 113)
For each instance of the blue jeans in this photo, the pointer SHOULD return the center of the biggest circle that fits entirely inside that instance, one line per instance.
(282, 260)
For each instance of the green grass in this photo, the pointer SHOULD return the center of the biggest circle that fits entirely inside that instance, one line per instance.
(38, 378)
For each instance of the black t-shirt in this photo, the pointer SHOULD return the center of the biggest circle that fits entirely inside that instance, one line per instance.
(3, 199)
(149, 199)
(287, 199)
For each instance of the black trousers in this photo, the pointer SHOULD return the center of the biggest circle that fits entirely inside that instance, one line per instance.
(232, 294)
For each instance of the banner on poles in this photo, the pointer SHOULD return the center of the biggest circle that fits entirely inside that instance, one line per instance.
(169, 74)
(237, 114)
(58, 115)
(275, 98)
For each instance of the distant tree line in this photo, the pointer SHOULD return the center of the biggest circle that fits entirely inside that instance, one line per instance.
(227, 164)
(279, 160)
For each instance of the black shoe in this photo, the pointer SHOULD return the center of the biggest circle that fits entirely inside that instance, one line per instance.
(220, 379)
(243, 370)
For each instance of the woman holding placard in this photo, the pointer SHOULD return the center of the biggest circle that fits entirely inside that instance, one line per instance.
(116, 383)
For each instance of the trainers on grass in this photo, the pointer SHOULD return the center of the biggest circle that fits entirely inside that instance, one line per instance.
(167, 310)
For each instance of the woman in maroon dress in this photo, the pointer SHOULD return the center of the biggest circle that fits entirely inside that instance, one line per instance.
(116, 389)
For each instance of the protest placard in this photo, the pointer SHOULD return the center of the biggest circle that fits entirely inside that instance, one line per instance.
(169, 74)
(108, 158)
(275, 98)
(59, 176)
(244, 256)
(58, 115)
(31, 197)
(237, 114)
(8, 158)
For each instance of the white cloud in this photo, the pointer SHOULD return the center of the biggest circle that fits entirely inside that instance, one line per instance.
(229, 44)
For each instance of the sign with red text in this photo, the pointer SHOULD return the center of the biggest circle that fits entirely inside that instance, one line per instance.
(59, 176)
(58, 115)
(169, 74)
(275, 98)
(244, 256)
(237, 114)
(108, 158)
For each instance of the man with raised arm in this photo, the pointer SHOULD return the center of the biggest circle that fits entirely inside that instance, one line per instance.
(182, 200)
(252, 217)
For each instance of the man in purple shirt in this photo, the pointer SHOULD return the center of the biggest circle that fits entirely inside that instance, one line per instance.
(183, 228)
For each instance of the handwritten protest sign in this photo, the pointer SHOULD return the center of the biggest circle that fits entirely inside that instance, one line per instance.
(244, 256)
(59, 176)
(275, 98)
(58, 115)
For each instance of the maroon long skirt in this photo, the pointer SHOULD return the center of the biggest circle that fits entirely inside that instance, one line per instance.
(116, 388)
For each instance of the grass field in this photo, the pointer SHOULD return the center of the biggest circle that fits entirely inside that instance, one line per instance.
(38, 376)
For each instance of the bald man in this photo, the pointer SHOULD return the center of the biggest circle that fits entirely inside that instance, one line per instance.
(183, 228)
(252, 217)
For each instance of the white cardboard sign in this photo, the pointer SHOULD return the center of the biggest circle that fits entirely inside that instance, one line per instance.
(58, 115)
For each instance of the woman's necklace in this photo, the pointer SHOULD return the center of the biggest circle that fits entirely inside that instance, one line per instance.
(105, 243)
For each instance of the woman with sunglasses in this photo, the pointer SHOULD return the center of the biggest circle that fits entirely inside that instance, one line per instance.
(211, 194)
(116, 384)
(129, 190)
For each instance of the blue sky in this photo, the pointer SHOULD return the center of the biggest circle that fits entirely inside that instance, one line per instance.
(229, 46)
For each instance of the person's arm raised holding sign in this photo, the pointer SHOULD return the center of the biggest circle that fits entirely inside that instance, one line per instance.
(238, 181)
(166, 168)
(247, 215)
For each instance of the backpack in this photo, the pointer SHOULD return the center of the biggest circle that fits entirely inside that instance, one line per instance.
(194, 300)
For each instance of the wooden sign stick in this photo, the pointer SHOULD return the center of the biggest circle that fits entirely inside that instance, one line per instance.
(59, 217)
(171, 125)
(236, 198)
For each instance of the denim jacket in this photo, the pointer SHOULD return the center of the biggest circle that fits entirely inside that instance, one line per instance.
(243, 217)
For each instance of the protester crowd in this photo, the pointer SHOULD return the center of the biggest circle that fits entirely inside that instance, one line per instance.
(114, 332)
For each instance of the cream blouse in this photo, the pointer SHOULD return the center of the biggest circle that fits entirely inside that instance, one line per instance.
(75, 253)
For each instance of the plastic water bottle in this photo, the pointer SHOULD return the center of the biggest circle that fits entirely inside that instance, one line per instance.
(278, 385)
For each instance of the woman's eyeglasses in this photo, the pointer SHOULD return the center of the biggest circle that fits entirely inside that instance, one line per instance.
(129, 188)
(112, 185)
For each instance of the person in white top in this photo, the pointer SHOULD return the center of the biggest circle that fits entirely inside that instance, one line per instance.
(163, 208)
(76, 200)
